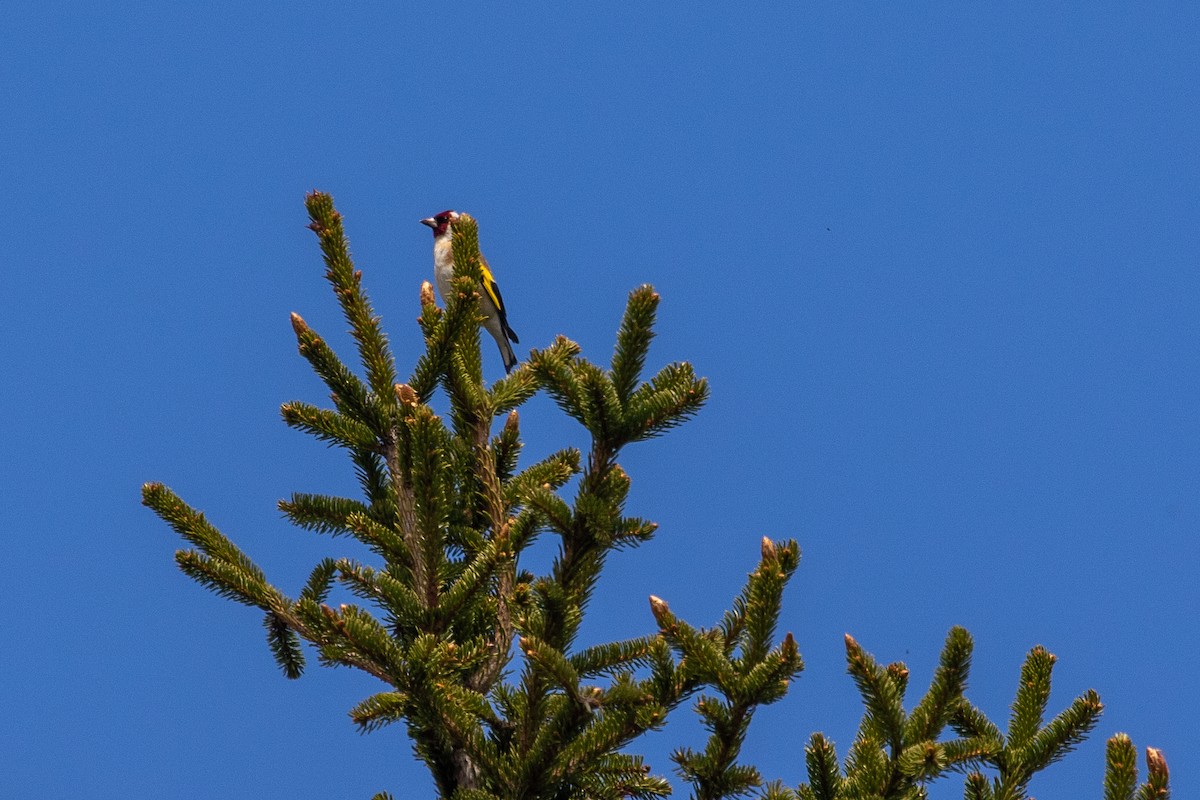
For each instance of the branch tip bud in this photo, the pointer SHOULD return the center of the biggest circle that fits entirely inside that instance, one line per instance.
(768, 549)
(406, 395)
(661, 611)
(1156, 763)
(426, 294)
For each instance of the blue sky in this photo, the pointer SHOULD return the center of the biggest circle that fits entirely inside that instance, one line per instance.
(938, 262)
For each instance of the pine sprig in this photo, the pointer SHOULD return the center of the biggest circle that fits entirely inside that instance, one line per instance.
(228, 580)
(612, 657)
(824, 773)
(549, 474)
(896, 753)
(949, 683)
(633, 341)
(738, 660)
(1033, 693)
(320, 581)
(379, 710)
(610, 404)
(350, 395)
(328, 426)
(885, 711)
(1028, 747)
(347, 287)
(323, 513)
(1063, 733)
(193, 527)
(285, 645)
(672, 397)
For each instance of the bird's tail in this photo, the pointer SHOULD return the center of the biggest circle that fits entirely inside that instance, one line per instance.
(507, 354)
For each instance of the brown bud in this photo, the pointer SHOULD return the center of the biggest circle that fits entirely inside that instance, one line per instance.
(298, 324)
(426, 293)
(661, 611)
(769, 552)
(512, 423)
(1156, 763)
(406, 395)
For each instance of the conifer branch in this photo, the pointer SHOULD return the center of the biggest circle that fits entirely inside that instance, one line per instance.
(320, 581)
(971, 723)
(350, 395)
(633, 341)
(1120, 774)
(512, 390)
(228, 580)
(978, 788)
(328, 426)
(549, 474)
(824, 773)
(285, 645)
(738, 660)
(383, 539)
(347, 287)
(323, 513)
(438, 345)
(613, 656)
(935, 710)
(885, 712)
(404, 607)
(1064, 733)
(1033, 693)
(500, 559)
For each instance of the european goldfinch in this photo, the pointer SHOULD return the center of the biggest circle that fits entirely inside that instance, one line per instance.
(491, 304)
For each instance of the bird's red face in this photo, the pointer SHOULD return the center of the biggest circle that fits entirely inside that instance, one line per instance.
(440, 222)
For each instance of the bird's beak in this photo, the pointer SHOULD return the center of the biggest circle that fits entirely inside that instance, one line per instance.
(430, 221)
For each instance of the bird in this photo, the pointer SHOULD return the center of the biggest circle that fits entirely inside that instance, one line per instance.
(495, 317)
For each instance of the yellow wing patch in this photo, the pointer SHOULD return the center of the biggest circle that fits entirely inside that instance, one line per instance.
(491, 289)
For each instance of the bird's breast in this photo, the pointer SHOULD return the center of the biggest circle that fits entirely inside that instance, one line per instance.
(443, 265)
